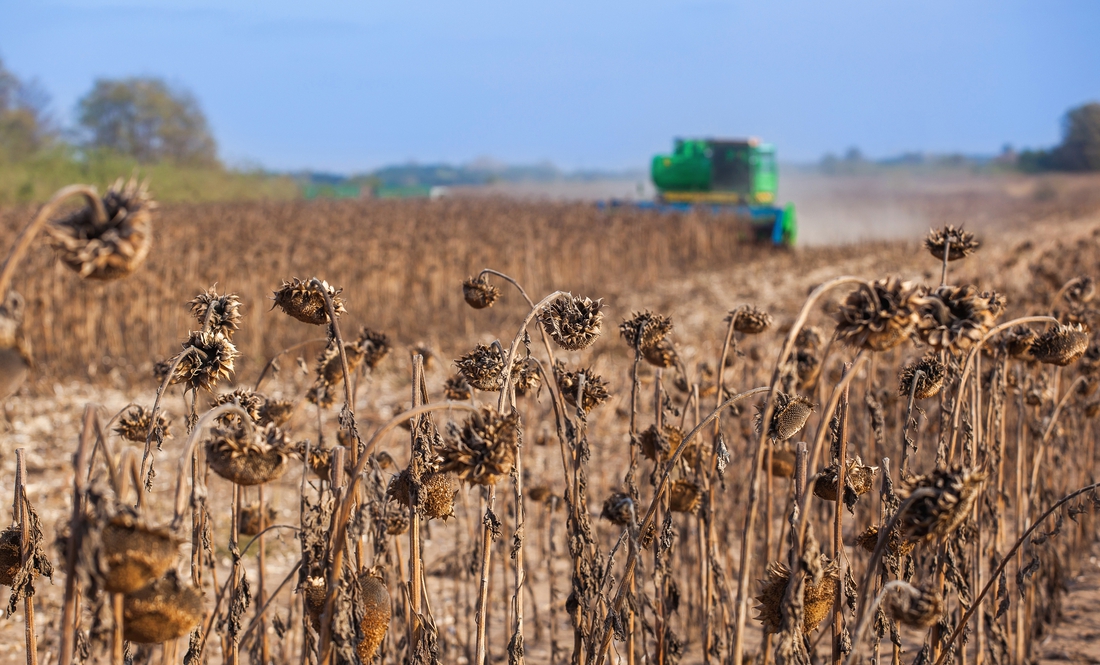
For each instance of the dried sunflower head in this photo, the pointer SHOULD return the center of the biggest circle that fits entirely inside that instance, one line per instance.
(437, 493)
(1061, 345)
(247, 454)
(484, 450)
(376, 609)
(659, 444)
(962, 243)
(330, 369)
(252, 520)
(662, 354)
(135, 423)
(483, 368)
(595, 388)
(879, 318)
(1090, 360)
(618, 509)
(929, 382)
(162, 611)
(938, 515)
(11, 554)
(539, 493)
(133, 554)
(858, 479)
(457, 389)
(276, 411)
(749, 320)
(111, 248)
(208, 359)
(251, 402)
(915, 608)
(573, 323)
(1080, 290)
(783, 460)
(817, 599)
(479, 293)
(1018, 341)
(373, 345)
(297, 298)
(684, 496)
(954, 318)
(789, 417)
(645, 329)
(895, 543)
(526, 377)
(219, 313)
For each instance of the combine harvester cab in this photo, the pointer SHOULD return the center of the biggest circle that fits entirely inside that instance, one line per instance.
(739, 177)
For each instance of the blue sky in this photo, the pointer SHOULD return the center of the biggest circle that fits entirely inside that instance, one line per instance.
(349, 86)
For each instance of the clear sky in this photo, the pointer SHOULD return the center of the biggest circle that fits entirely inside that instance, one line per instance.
(349, 86)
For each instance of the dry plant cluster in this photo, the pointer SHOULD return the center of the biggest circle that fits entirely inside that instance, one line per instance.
(869, 480)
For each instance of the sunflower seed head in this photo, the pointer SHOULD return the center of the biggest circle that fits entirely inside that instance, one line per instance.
(939, 515)
(373, 345)
(879, 318)
(1018, 341)
(248, 455)
(817, 597)
(659, 444)
(645, 329)
(915, 608)
(749, 320)
(573, 323)
(1061, 345)
(954, 318)
(858, 479)
(479, 293)
(210, 362)
(684, 496)
(1080, 290)
(483, 450)
(789, 415)
(220, 313)
(457, 388)
(134, 424)
(618, 509)
(483, 368)
(962, 243)
(112, 248)
(595, 388)
(298, 299)
(928, 373)
(895, 544)
(526, 378)
(662, 354)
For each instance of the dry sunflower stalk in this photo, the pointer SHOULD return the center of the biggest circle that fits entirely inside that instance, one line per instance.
(300, 300)
(111, 248)
(573, 323)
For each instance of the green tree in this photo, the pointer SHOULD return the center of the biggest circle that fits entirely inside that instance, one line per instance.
(1080, 147)
(147, 119)
(25, 127)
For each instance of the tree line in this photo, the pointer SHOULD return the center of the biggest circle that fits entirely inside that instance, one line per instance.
(144, 118)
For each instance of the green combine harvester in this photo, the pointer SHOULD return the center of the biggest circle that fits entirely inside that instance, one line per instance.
(738, 177)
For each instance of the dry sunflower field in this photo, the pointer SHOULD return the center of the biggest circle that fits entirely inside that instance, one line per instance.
(476, 431)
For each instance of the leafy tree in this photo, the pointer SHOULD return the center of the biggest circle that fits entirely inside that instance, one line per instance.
(1080, 147)
(147, 119)
(25, 127)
